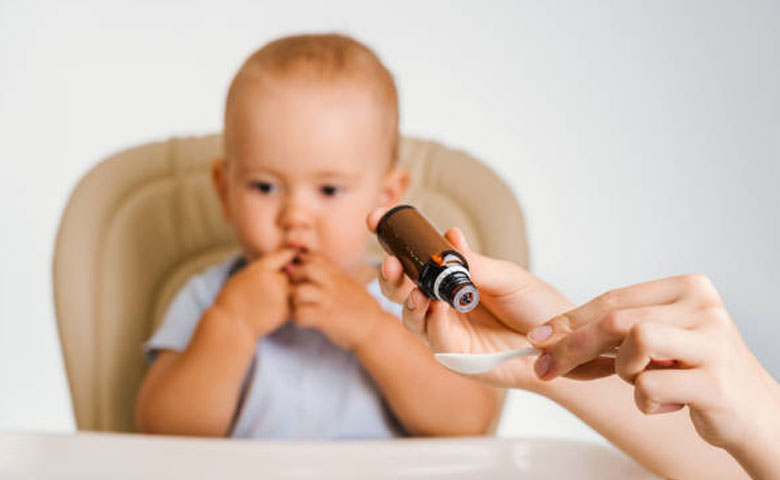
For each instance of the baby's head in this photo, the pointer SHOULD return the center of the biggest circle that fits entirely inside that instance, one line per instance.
(311, 140)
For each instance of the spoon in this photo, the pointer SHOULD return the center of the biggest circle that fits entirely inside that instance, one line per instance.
(473, 363)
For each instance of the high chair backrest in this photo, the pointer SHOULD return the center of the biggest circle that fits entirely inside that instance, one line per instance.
(144, 220)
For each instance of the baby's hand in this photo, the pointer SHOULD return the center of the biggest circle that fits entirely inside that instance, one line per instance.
(258, 295)
(325, 298)
(680, 322)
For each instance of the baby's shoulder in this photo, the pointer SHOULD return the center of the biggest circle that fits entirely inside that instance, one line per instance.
(205, 285)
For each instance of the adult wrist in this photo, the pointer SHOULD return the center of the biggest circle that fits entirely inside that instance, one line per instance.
(758, 455)
(757, 450)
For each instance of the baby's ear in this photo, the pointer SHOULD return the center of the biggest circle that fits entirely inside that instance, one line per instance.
(219, 181)
(395, 184)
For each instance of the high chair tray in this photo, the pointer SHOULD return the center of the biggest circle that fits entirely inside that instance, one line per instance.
(87, 455)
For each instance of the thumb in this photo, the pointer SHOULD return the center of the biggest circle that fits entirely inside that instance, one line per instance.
(498, 277)
(483, 269)
(458, 240)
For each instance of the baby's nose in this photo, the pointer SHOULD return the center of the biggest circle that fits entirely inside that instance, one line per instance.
(295, 214)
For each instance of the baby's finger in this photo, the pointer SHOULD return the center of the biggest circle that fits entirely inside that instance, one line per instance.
(305, 315)
(276, 260)
(661, 391)
(414, 313)
(649, 342)
(312, 268)
(306, 294)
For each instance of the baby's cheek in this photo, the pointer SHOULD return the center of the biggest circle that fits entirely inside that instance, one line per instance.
(348, 246)
(256, 234)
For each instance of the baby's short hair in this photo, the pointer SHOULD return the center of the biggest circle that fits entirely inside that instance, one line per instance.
(323, 58)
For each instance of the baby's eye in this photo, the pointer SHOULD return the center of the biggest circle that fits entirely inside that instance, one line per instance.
(330, 190)
(263, 187)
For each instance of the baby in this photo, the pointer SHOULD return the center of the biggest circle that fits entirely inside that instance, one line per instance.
(293, 338)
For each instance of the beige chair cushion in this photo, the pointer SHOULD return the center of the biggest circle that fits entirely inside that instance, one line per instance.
(143, 221)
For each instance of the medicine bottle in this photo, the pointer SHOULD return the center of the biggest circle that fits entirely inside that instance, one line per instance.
(439, 270)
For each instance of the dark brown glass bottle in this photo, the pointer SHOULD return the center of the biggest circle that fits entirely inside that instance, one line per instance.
(428, 259)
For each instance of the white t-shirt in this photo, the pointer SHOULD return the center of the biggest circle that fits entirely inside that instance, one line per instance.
(299, 384)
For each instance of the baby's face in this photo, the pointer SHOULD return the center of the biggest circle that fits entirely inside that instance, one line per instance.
(305, 164)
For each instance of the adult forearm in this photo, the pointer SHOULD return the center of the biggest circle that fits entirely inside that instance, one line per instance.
(760, 457)
(426, 398)
(758, 451)
(666, 444)
(197, 393)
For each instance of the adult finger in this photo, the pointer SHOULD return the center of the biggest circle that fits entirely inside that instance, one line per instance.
(660, 391)
(597, 368)
(394, 283)
(510, 290)
(658, 292)
(458, 240)
(414, 313)
(598, 337)
(483, 269)
(649, 342)
(437, 327)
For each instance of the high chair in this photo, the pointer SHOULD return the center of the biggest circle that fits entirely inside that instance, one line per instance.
(141, 222)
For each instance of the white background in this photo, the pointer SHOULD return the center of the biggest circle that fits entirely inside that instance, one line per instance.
(642, 138)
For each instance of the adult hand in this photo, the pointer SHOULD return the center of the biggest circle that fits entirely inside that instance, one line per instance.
(512, 301)
(680, 322)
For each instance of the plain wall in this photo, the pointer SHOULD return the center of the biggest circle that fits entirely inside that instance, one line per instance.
(642, 139)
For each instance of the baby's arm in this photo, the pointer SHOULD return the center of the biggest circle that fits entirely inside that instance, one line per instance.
(196, 392)
(427, 398)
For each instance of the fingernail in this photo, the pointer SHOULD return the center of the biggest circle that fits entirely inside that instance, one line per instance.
(540, 334)
(543, 364)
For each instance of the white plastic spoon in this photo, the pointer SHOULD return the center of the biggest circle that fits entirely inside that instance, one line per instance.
(474, 363)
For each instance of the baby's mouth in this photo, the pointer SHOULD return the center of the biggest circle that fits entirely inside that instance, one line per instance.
(297, 260)
(301, 249)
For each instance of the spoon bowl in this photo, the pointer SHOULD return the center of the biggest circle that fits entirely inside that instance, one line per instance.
(474, 363)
